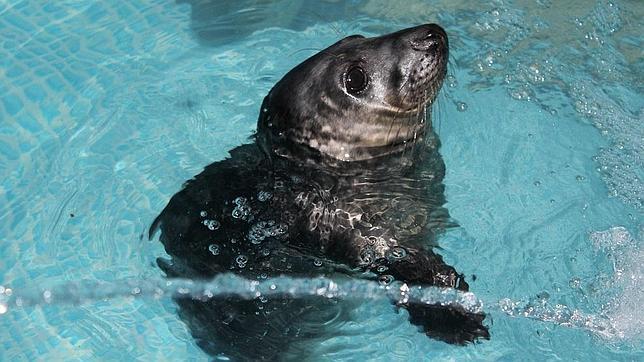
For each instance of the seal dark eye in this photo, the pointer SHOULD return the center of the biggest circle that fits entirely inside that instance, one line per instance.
(355, 80)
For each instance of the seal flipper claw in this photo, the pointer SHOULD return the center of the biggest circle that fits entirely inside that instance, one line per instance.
(451, 324)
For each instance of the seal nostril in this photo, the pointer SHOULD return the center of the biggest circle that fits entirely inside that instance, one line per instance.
(430, 40)
(426, 44)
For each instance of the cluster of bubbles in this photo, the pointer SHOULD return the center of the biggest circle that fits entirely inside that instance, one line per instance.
(549, 73)
(392, 255)
(265, 229)
(620, 162)
(242, 210)
(560, 314)
(627, 279)
(211, 224)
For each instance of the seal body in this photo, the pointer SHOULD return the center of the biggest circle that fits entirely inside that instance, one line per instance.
(344, 179)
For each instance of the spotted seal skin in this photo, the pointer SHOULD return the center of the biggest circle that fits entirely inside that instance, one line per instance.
(343, 180)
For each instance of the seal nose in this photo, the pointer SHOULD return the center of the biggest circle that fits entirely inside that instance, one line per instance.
(429, 37)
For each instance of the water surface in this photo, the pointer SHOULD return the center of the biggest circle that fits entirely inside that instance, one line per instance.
(106, 108)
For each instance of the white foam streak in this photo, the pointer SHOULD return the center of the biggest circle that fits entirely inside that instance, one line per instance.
(225, 285)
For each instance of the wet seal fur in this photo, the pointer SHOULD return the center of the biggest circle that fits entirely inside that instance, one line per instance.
(344, 179)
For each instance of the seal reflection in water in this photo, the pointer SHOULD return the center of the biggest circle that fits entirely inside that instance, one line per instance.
(344, 179)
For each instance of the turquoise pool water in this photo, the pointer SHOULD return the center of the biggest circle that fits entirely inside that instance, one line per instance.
(107, 107)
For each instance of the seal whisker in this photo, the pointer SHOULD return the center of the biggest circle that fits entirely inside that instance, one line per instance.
(440, 111)
(417, 118)
(317, 50)
(399, 110)
(335, 29)
(404, 99)
(303, 49)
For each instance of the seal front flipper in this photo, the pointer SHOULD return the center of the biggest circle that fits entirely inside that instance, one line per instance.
(448, 323)
(199, 215)
(451, 324)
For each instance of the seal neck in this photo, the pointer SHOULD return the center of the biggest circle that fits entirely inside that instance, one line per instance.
(394, 159)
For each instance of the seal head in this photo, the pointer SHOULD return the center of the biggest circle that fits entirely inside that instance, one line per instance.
(359, 99)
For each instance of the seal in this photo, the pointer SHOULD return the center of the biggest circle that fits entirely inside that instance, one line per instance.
(343, 179)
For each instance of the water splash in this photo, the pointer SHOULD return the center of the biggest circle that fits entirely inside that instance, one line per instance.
(620, 316)
(627, 258)
(559, 314)
(223, 285)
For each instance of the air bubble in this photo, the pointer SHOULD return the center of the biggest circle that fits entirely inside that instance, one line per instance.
(211, 224)
(296, 179)
(241, 260)
(382, 268)
(367, 256)
(47, 296)
(264, 196)
(397, 252)
(385, 279)
(461, 106)
(214, 249)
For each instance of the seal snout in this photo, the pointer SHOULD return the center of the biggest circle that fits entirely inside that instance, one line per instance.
(430, 37)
